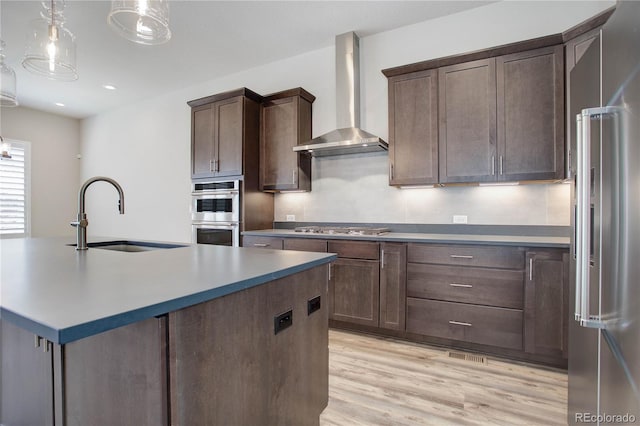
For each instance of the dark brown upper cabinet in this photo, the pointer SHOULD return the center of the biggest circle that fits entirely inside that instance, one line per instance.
(500, 116)
(285, 123)
(467, 118)
(413, 128)
(530, 115)
(577, 41)
(224, 133)
(502, 119)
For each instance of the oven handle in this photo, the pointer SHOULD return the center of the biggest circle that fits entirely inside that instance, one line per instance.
(215, 224)
(214, 193)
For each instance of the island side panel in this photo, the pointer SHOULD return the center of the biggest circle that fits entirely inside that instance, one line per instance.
(26, 390)
(228, 366)
(118, 377)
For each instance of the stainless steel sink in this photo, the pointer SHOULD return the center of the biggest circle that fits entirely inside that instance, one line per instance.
(131, 246)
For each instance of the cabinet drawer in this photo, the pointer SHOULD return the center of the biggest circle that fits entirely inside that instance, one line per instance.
(484, 256)
(355, 249)
(495, 287)
(470, 323)
(305, 244)
(262, 242)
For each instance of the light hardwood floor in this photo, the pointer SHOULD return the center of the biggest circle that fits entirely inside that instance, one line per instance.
(377, 381)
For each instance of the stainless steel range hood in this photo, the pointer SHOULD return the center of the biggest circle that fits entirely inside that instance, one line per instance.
(348, 138)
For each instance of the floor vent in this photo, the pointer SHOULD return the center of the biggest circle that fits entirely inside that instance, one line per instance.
(467, 357)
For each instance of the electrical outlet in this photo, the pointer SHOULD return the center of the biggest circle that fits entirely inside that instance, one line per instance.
(291, 218)
(459, 218)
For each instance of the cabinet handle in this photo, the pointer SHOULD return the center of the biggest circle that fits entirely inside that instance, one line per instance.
(211, 166)
(461, 285)
(260, 245)
(382, 259)
(501, 164)
(531, 269)
(329, 272)
(493, 165)
(41, 341)
(293, 176)
(216, 165)
(391, 170)
(461, 256)
(466, 324)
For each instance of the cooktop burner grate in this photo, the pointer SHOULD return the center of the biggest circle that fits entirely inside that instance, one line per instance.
(346, 230)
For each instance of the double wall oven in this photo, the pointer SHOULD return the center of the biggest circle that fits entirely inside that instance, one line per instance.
(215, 212)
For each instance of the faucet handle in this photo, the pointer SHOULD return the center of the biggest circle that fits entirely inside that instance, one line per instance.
(79, 223)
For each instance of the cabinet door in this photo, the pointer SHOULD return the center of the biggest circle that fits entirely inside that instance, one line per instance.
(202, 149)
(546, 302)
(26, 382)
(278, 136)
(354, 291)
(413, 128)
(228, 137)
(393, 280)
(467, 122)
(530, 87)
(574, 49)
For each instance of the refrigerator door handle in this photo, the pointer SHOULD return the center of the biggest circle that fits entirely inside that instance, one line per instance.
(583, 212)
(583, 215)
(579, 221)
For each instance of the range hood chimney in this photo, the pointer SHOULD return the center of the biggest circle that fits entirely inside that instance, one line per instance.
(348, 138)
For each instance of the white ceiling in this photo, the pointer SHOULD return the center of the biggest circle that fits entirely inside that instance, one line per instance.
(210, 39)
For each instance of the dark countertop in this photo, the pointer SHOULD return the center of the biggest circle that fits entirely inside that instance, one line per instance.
(517, 240)
(63, 295)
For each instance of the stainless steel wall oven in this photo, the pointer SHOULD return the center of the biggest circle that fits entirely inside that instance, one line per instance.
(215, 212)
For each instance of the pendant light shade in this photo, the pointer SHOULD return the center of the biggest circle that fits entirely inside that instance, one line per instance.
(51, 47)
(8, 97)
(141, 21)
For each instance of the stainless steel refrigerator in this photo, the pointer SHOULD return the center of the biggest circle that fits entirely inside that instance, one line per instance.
(604, 336)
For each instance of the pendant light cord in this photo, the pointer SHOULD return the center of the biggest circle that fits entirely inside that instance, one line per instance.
(53, 13)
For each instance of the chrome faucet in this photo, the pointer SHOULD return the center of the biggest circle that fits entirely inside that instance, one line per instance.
(82, 221)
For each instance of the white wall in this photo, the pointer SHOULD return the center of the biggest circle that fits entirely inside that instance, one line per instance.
(146, 146)
(55, 170)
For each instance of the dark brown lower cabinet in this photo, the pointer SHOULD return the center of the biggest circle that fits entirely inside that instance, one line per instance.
(262, 242)
(305, 244)
(258, 356)
(547, 302)
(115, 377)
(487, 325)
(26, 382)
(393, 285)
(354, 288)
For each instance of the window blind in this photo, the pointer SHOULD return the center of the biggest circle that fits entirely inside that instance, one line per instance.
(13, 192)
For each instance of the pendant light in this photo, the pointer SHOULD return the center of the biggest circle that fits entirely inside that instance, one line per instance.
(141, 21)
(7, 82)
(51, 47)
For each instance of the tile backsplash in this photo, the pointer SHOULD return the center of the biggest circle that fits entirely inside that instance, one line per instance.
(354, 188)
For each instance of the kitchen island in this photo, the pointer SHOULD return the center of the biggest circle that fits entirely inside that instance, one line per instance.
(188, 335)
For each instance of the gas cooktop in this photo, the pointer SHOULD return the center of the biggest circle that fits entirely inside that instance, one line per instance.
(347, 230)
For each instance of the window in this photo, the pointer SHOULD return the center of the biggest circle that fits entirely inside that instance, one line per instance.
(14, 191)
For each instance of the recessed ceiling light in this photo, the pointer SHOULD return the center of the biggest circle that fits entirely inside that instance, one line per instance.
(60, 104)
(109, 87)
